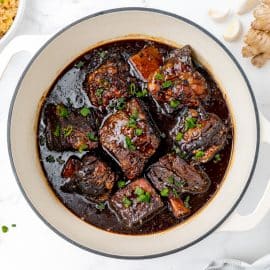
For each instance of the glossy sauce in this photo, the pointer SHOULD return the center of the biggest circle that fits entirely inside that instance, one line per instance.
(68, 89)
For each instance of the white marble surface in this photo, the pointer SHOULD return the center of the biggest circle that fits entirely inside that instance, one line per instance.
(31, 245)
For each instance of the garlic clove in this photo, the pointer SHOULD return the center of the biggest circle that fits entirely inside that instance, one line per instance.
(245, 6)
(233, 30)
(218, 14)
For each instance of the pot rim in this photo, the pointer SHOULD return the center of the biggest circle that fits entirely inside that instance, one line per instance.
(178, 17)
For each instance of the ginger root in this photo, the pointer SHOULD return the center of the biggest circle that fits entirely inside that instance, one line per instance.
(258, 37)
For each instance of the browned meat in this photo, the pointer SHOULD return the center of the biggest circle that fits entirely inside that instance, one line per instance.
(177, 83)
(136, 203)
(199, 135)
(108, 83)
(129, 136)
(178, 207)
(178, 176)
(89, 176)
(146, 61)
(173, 176)
(70, 129)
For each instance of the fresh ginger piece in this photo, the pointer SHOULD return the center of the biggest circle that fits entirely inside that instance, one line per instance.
(262, 17)
(260, 40)
(260, 59)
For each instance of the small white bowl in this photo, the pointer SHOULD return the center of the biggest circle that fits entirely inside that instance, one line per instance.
(11, 31)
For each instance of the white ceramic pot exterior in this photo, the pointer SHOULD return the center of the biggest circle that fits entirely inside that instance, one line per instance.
(68, 45)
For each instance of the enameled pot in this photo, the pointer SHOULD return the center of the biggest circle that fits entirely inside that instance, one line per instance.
(140, 23)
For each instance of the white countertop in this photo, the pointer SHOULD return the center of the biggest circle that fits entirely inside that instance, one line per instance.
(32, 245)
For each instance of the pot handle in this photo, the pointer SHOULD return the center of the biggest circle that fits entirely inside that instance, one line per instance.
(244, 223)
(29, 43)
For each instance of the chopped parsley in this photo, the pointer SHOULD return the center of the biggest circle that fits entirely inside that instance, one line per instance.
(129, 144)
(166, 84)
(199, 154)
(79, 64)
(164, 192)
(179, 136)
(174, 103)
(126, 202)
(121, 183)
(62, 111)
(85, 111)
(138, 131)
(50, 159)
(57, 131)
(100, 206)
(190, 122)
(67, 131)
(159, 77)
(4, 229)
(91, 136)
(186, 201)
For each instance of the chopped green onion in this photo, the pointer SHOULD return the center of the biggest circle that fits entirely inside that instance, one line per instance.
(67, 131)
(146, 197)
(102, 54)
(120, 104)
(85, 111)
(217, 158)
(60, 160)
(99, 92)
(91, 136)
(142, 93)
(13, 225)
(4, 229)
(121, 183)
(180, 183)
(179, 136)
(50, 159)
(79, 64)
(175, 193)
(199, 154)
(62, 111)
(57, 131)
(174, 103)
(170, 179)
(100, 206)
(126, 202)
(83, 147)
(166, 84)
(138, 131)
(159, 77)
(132, 123)
(164, 192)
(129, 144)
(132, 89)
(190, 122)
(186, 201)
(138, 191)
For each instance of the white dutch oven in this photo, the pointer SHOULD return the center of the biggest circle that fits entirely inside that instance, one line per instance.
(79, 37)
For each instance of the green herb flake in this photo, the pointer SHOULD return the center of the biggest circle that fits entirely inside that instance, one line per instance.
(79, 64)
(174, 103)
(190, 122)
(138, 191)
(99, 92)
(13, 225)
(138, 131)
(85, 111)
(67, 131)
(126, 202)
(4, 229)
(199, 154)
(170, 179)
(121, 103)
(180, 183)
(100, 206)
(159, 77)
(175, 193)
(91, 136)
(50, 159)
(121, 184)
(132, 89)
(179, 136)
(129, 144)
(57, 131)
(142, 93)
(186, 201)
(217, 158)
(132, 123)
(166, 84)
(83, 147)
(60, 160)
(164, 192)
(146, 197)
(62, 111)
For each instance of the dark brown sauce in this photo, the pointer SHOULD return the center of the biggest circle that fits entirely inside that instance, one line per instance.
(68, 89)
